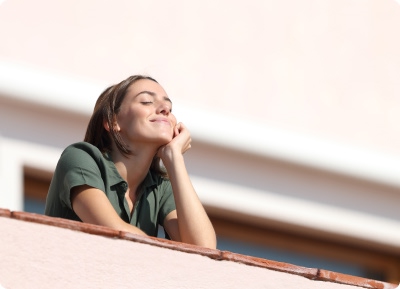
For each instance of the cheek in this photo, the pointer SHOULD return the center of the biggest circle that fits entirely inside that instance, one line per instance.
(173, 118)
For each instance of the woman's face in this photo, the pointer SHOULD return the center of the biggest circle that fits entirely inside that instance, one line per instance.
(145, 115)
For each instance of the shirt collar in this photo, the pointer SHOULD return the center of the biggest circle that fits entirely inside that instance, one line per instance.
(115, 177)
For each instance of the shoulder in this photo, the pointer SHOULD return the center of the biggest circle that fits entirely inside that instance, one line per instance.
(154, 178)
(81, 154)
(159, 184)
(83, 149)
(80, 164)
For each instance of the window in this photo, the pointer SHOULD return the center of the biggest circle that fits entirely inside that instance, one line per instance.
(36, 185)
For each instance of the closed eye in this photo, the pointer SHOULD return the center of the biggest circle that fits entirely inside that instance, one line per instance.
(146, 102)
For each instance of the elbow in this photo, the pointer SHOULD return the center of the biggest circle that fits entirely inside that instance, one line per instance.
(207, 242)
(212, 244)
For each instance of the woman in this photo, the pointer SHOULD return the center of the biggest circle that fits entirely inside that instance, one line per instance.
(114, 178)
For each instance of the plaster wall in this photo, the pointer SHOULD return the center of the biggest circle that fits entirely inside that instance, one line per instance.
(39, 256)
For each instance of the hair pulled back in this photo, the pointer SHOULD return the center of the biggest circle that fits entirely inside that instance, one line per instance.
(105, 112)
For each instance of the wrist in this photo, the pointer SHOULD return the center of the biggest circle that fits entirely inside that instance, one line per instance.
(171, 159)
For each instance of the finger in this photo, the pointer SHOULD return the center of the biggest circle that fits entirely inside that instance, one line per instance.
(177, 129)
(181, 126)
(186, 149)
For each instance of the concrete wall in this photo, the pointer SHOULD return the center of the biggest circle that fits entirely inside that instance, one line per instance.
(37, 255)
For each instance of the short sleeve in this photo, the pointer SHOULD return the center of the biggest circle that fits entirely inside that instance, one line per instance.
(167, 201)
(77, 167)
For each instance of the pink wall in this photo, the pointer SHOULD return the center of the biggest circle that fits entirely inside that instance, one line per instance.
(44, 252)
(328, 67)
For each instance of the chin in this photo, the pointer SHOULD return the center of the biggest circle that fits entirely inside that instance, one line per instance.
(165, 140)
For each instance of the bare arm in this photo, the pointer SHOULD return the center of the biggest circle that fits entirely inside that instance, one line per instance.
(92, 206)
(189, 223)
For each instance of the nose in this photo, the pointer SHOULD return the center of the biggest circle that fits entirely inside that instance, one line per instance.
(164, 108)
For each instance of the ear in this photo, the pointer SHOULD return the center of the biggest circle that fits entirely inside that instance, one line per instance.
(107, 127)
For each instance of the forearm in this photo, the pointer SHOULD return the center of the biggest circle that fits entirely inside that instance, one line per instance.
(128, 228)
(194, 225)
(93, 207)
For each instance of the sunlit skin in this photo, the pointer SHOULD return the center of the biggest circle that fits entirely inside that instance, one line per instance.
(148, 127)
(146, 115)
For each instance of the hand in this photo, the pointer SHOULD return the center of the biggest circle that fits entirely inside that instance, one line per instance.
(180, 143)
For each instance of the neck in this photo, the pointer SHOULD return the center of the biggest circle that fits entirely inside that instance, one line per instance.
(134, 167)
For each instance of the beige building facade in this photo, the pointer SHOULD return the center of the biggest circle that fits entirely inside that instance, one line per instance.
(294, 109)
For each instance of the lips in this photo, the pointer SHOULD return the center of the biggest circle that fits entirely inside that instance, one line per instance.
(161, 120)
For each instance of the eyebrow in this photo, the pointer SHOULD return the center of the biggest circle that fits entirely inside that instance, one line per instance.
(153, 94)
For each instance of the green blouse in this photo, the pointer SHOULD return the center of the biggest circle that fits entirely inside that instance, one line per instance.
(83, 164)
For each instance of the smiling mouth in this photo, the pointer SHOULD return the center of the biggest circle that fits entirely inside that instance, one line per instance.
(163, 121)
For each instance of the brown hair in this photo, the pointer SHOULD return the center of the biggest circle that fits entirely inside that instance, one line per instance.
(105, 111)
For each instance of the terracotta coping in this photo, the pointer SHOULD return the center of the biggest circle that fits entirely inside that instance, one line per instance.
(310, 273)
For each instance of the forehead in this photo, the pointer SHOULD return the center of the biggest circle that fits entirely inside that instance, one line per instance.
(146, 85)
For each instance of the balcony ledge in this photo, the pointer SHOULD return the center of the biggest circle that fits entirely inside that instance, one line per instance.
(309, 273)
